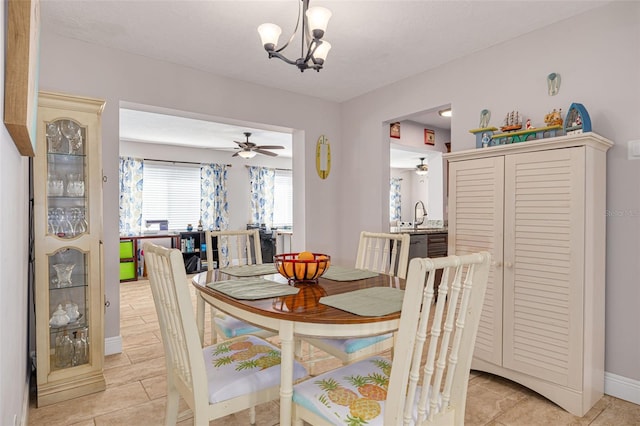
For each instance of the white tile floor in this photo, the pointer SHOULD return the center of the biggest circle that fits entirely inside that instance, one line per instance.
(135, 393)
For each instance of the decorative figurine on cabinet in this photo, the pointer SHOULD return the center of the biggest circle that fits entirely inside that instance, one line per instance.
(577, 120)
(484, 133)
(486, 140)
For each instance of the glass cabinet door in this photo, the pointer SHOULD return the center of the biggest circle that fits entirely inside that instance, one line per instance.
(69, 294)
(69, 309)
(66, 176)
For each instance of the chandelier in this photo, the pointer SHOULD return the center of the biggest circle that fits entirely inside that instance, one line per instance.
(314, 24)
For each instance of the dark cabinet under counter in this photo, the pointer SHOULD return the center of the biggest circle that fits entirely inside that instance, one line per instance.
(431, 244)
(428, 244)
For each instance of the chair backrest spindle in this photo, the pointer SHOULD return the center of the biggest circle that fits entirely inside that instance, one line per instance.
(238, 247)
(383, 253)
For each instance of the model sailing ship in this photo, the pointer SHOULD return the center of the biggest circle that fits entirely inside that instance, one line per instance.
(512, 122)
(554, 118)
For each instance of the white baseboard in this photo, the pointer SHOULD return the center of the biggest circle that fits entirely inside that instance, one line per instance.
(622, 387)
(112, 345)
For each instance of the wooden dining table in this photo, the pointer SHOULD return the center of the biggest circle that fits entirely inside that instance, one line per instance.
(301, 314)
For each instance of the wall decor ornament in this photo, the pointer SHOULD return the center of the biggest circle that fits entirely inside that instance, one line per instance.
(429, 137)
(323, 157)
(485, 116)
(394, 130)
(553, 83)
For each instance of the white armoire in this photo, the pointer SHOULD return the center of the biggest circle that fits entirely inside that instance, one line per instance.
(539, 208)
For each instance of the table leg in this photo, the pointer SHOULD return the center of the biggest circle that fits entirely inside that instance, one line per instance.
(200, 317)
(286, 371)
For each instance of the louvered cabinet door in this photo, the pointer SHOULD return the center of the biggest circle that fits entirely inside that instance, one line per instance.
(544, 264)
(476, 224)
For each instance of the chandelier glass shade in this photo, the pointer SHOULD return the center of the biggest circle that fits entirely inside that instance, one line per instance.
(314, 24)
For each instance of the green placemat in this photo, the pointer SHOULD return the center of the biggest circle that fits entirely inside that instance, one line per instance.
(367, 302)
(249, 270)
(252, 288)
(338, 273)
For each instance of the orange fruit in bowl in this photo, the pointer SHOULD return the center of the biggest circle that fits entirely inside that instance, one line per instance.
(288, 269)
(306, 255)
(312, 268)
(323, 263)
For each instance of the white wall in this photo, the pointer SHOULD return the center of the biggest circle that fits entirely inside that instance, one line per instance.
(14, 219)
(598, 57)
(121, 77)
(238, 186)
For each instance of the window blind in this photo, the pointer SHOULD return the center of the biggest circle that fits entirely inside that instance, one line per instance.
(172, 192)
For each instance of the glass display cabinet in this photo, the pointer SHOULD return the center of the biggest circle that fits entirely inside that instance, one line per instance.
(68, 248)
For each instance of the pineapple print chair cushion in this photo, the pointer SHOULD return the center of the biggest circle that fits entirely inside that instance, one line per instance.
(433, 351)
(238, 366)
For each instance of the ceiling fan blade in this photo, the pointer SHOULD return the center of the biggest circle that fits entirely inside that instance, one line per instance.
(236, 154)
(270, 147)
(269, 153)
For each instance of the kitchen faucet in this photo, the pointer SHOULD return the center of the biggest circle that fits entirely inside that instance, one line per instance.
(415, 214)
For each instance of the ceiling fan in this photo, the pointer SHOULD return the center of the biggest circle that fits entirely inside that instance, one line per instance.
(249, 149)
(422, 169)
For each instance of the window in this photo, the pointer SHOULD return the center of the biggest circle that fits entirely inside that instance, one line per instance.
(283, 199)
(172, 192)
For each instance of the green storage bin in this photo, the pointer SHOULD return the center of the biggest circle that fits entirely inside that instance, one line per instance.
(126, 249)
(127, 271)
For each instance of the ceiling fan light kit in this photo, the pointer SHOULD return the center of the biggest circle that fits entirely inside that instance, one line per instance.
(314, 24)
(247, 154)
(249, 150)
(422, 169)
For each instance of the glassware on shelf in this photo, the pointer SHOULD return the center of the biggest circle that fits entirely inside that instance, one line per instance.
(78, 221)
(75, 185)
(52, 221)
(55, 185)
(73, 133)
(64, 351)
(64, 228)
(63, 272)
(59, 318)
(80, 348)
(54, 138)
(72, 311)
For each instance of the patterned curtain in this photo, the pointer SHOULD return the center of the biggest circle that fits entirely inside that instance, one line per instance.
(130, 196)
(395, 205)
(262, 180)
(214, 208)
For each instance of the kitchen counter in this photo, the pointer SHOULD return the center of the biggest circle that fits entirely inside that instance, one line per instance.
(418, 231)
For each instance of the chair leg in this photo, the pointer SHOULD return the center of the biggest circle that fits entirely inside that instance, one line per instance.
(171, 412)
(252, 415)
(214, 334)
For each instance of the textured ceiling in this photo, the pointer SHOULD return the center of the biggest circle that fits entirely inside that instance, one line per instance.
(374, 43)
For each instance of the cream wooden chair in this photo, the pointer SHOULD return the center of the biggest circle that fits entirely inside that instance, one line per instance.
(426, 383)
(378, 252)
(212, 381)
(235, 248)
